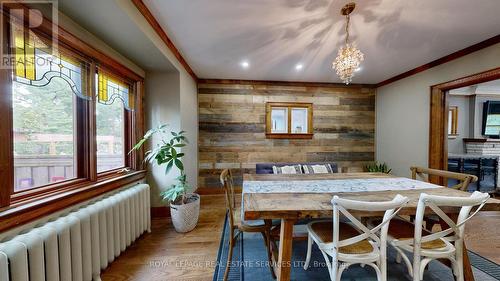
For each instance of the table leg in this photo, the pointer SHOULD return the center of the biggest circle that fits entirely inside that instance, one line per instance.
(285, 250)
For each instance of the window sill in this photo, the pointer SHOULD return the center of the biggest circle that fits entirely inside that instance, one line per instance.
(289, 136)
(25, 210)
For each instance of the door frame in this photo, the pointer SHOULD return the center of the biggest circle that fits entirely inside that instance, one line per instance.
(438, 121)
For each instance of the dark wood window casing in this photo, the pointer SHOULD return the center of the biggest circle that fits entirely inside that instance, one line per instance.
(19, 207)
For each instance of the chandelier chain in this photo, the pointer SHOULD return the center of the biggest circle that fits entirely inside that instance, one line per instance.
(348, 20)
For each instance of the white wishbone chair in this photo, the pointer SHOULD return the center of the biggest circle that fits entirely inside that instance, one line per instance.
(353, 243)
(427, 246)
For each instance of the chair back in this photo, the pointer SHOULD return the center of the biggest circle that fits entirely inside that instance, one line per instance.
(423, 174)
(343, 206)
(455, 230)
(226, 179)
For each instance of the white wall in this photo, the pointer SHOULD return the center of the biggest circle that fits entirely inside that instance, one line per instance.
(465, 122)
(162, 107)
(189, 123)
(402, 109)
(186, 93)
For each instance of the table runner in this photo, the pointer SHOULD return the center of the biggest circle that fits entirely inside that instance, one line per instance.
(331, 186)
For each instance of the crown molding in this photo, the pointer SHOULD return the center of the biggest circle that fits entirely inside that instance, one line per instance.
(282, 83)
(143, 9)
(456, 55)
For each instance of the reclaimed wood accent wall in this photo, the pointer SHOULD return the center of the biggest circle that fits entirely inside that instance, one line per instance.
(232, 127)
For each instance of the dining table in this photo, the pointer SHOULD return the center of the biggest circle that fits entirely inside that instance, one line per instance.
(290, 198)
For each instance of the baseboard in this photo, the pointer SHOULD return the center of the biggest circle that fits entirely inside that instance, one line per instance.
(160, 212)
(214, 190)
(164, 212)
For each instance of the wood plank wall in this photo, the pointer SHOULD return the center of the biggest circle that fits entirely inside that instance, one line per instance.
(232, 127)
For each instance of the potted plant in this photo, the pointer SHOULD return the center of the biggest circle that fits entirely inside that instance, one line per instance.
(377, 167)
(184, 207)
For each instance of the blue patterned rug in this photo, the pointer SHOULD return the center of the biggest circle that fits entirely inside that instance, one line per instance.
(250, 264)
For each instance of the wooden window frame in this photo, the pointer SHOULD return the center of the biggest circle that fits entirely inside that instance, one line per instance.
(289, 134)
(27, 205)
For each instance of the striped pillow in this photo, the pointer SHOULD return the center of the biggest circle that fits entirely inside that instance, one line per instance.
(318, 169)
(295, 169)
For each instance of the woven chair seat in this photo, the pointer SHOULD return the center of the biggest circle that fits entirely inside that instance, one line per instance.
(324, 230)
(405, 230)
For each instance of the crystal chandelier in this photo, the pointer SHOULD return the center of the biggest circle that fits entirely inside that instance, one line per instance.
(349, 57)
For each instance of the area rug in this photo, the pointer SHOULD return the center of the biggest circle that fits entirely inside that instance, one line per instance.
(250, 263)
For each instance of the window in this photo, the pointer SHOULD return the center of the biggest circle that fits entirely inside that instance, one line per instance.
(113, 100)
(289, 120)
(44, 133)
(279, 117)
(45, 91)
(299, 120)
(59, 131)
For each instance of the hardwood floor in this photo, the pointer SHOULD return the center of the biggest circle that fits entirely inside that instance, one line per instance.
(167, 255)
(482, 235)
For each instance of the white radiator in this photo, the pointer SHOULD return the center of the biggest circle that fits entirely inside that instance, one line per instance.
(79, 243)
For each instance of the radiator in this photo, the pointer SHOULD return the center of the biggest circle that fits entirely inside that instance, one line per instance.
(79, 243)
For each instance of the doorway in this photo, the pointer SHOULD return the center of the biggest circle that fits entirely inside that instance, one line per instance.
(440, 115)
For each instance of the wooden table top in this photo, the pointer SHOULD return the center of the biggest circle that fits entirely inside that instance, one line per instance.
(318, 205)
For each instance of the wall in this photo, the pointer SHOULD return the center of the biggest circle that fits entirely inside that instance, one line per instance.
(464, 125)
(402, 136)
(470, 118)
(189, 123)
(232, 128)
(163, 107)
(75, 29)
(185, 106)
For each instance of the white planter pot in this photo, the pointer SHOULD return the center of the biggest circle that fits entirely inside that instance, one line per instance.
(185, 216)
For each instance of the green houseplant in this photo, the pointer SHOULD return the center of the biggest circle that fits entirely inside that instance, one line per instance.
(377, 167)
(184, 206)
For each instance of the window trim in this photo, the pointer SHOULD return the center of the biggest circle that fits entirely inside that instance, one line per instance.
(289, 106)
(86, 172)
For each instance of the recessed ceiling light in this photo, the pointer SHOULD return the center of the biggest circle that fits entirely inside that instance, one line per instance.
(245, 64)
(299, 66)
(358, 69)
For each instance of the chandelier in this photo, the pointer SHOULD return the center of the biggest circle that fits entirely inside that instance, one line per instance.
(349, 57)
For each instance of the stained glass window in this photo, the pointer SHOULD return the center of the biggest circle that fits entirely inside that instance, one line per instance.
(111, 88)
(36, 66)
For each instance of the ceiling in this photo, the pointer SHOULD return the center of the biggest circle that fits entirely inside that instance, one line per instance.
(486, 88)
(273, 36)
(107, 20)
